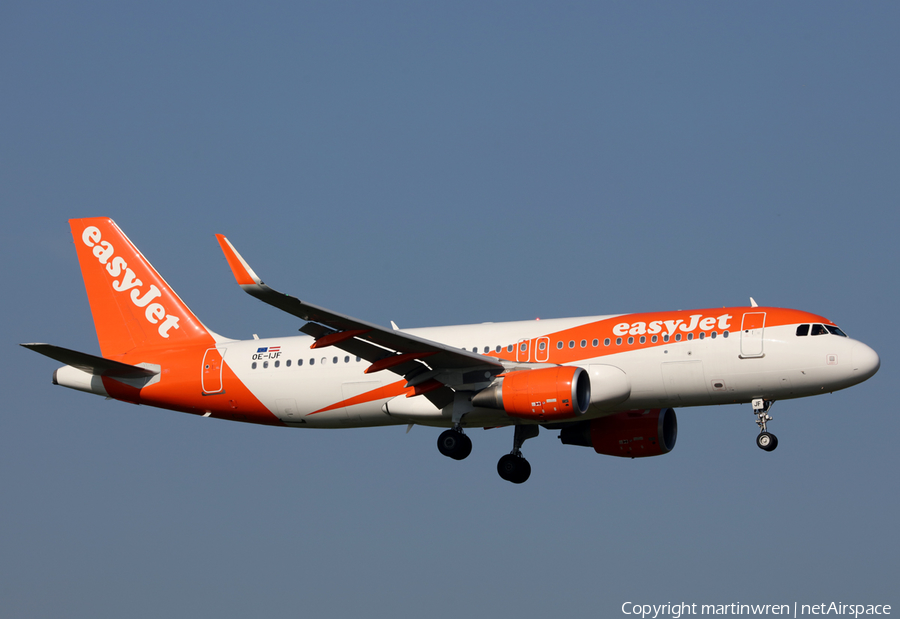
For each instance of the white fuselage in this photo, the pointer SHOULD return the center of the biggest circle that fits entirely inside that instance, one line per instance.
(295, 382)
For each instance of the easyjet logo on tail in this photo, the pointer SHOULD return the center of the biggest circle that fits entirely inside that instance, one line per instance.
(116, 266)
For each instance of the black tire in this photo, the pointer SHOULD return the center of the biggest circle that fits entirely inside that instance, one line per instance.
(465, 447)
(514, 469)
(507, 467)
(766, 441)
(523, 472)
(454, 444)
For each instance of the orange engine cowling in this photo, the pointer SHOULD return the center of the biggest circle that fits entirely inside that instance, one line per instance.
(632, 434)
(545, 394)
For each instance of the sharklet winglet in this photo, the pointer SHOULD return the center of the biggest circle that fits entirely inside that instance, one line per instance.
(239, 267)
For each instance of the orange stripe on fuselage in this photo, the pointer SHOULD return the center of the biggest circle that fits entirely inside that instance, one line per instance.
(180, 388)
(381, 393)
(648, 324)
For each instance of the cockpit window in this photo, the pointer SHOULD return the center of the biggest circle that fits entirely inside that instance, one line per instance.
(802, 330)
(835, 331)
(819, 330)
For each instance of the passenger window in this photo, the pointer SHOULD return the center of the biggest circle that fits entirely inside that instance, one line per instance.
(583, 343)
(499, 347)
(253, 365)
(524, 346)
(618, 341)
(702, 335)
(666, 337)
(265, 364)
(724, 333)
(643, 339)
(347, 359)
(334, 360)
(713, 335)
(487, 349)
(358, 359)
(559, 345)
(819, 330)
(802, 330)
(312, 361)
(690, 336)
(678, 337)
(299, 362)
(277, 363)
(653, 339)
(510, 348)
(606, 342)
(571, 343)
(287, 363)
(631, 340)
(542, 345)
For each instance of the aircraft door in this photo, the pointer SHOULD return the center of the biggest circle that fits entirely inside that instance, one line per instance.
(211, 371)
(523, 351)
(542, 352)
(752, 327)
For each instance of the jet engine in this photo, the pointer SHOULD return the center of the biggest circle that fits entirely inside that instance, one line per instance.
(632, 434)
(545, 394)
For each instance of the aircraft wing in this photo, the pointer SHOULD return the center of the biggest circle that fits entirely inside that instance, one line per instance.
(417, 359)
(90, 363)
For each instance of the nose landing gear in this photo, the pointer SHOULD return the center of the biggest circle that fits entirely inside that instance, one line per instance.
(765, 440)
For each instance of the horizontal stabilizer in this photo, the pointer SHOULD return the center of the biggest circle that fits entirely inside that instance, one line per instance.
(90, 363)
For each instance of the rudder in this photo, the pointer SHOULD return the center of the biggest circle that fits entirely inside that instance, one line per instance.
(132, 305)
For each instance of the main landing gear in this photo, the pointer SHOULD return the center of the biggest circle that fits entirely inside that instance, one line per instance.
(454, 444)
(765, 440)
(513, 466)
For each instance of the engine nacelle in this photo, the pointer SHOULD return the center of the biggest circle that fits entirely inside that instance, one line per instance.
(632, 434)
(544, 394)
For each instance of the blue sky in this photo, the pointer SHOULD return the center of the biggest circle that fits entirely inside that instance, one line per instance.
(447, 163)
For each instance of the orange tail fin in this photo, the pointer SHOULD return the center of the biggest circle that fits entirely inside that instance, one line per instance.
(132, 304)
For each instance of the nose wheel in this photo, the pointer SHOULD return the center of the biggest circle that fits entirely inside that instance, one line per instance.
(765, 440)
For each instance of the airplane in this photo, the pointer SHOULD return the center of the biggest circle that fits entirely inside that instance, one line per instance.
(607, 382)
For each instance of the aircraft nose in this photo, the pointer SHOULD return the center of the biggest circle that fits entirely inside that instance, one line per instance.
(865, 361)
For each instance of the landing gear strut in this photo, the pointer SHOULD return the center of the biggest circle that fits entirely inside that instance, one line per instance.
(454, 444)
(766, 440)
(513, 466)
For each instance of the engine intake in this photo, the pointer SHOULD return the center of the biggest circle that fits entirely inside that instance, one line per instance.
(544, 394)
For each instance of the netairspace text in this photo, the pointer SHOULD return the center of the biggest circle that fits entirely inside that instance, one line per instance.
(675, 611)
